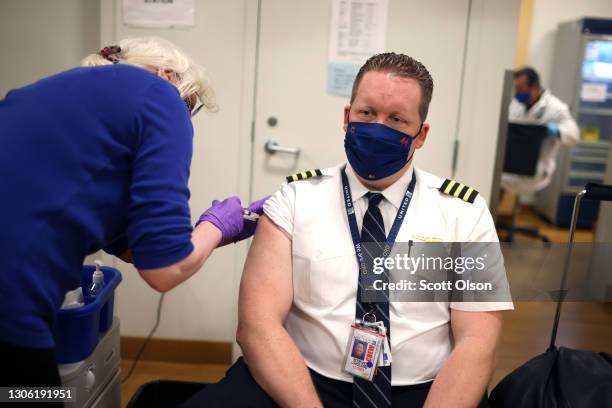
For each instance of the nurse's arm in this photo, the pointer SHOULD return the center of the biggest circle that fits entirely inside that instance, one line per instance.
(463, 380)
(205, 238)
(266, 295)
(568, 129)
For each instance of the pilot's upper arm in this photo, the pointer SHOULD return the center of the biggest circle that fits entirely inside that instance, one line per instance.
(266, 288)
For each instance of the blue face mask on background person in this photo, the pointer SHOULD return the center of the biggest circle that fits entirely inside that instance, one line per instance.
(376, 151)
(522, 97)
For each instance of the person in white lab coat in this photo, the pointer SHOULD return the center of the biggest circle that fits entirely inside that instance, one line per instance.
(533, 104)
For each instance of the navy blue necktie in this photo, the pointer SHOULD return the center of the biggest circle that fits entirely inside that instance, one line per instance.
(376, 393)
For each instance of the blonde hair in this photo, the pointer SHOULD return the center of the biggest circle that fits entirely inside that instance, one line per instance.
(156, 52)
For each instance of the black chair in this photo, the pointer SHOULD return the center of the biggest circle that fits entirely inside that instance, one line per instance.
(523, 146)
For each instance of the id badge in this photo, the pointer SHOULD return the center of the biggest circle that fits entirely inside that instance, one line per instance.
(384, 359)
(363, 351)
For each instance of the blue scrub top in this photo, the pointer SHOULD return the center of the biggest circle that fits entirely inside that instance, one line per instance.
(89, 158)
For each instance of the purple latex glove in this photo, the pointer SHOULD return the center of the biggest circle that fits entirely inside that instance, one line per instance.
(227, 216)
(250, 226)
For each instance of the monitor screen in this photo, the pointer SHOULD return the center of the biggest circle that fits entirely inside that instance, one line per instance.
(597, 64)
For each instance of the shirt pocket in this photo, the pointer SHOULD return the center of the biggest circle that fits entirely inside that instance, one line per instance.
(427, 251)
(325, 272)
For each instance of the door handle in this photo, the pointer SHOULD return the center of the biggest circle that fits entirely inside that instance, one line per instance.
(272, 147)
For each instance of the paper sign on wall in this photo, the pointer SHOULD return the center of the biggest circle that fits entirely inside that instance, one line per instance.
(594, 92)
(159, 13)
(358, 30)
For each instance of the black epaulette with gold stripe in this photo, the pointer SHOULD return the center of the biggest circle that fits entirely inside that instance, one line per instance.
(304, 175)
(459, 190)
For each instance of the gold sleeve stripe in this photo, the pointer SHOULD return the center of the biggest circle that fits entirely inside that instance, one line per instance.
(472, 196)
(448, 188)
(458, 189)
(453, 188)
(460, 192)
(443, 186)
(466, 194)
(304, 175)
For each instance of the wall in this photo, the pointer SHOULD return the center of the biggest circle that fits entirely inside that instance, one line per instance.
(522, 36)
(547, 14)
(491, 50)
(39, 38)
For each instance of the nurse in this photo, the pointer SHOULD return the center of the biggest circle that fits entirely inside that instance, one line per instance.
(98, 157)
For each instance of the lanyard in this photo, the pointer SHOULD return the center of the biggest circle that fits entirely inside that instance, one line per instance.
(397, 223)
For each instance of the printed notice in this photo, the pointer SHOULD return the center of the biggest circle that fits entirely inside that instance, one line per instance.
(358, 30)
(594, 92)
(159, 13)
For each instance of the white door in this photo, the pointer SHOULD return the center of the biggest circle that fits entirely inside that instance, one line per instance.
(204, 307)
(293, 108)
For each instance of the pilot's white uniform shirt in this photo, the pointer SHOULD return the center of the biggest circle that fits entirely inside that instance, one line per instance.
(325, 270)
(548, 109)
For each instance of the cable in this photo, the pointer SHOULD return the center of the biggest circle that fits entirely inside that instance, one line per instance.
(146, 341)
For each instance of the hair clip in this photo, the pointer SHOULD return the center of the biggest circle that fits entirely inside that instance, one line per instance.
(110, 53)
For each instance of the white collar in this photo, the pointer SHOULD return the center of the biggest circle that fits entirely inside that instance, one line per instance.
(394, 193)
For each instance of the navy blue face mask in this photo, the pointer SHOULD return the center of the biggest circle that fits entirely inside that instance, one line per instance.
(522, 97)
(376, 151)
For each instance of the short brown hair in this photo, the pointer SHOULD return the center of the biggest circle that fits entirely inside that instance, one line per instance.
(401, 65)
